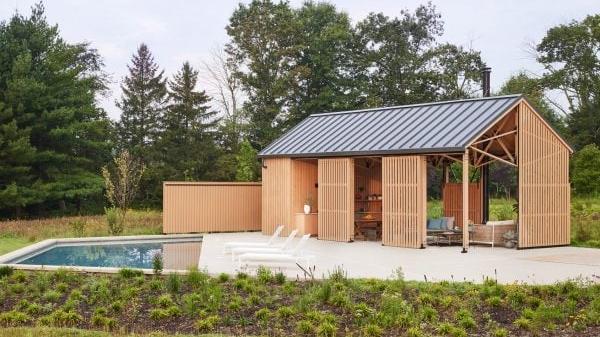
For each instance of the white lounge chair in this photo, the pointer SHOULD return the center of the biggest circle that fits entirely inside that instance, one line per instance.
(293, 256)
(232, 244)
(285, 246)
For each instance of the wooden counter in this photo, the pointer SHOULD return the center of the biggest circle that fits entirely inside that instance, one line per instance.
(306, 223)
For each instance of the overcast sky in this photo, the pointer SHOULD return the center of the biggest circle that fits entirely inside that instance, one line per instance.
(177, 30)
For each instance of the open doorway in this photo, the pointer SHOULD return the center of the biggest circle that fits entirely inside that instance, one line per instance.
(368, 199)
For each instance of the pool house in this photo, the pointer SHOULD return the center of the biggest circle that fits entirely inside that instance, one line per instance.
(363, 175)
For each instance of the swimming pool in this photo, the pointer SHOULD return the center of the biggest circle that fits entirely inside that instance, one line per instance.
(95, 254)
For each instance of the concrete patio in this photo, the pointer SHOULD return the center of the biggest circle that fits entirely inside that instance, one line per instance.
(372, 260)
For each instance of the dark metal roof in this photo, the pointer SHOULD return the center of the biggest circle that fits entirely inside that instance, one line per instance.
(419, 128)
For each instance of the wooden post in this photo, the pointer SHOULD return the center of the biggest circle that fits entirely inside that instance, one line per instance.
(465, 200)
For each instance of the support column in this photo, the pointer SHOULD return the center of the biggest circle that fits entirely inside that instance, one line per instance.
(465, 200)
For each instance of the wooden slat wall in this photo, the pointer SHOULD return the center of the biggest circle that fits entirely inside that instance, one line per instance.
(544, 190)
(404, 181)
(199, 207)
(304, 179)
(336, 199)
(277, 195)
(452, 199)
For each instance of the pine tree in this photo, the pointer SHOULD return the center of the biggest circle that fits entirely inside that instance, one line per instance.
(187, 142)
(50, 88)
(142, 104)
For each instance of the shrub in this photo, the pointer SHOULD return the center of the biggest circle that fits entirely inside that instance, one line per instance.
(51, 296)
(171, 311)
(13, 318)
(414, 332)
(429, 314)
(494, 301)
(165, 301)
(207, 324)
(326, 329)
(61, 318)
(223, 277)
(263, 274)
(523, 323)
(115, 226)
(157, 263)
(285, 312)
(465, 319)
(241, 275)
(338, 274)
(304, 327)
(6, 271)
(500, 332)
(372, 330)
(78, 227)
(127, 273)
(17, 288)
(195, 278)
(323, 292)
(263, 314)
(116, 306)
(19, 276)
(173, 283)
(585, 174)
(280, 278)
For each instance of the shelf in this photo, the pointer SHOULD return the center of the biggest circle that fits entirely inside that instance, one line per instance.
(368, 200)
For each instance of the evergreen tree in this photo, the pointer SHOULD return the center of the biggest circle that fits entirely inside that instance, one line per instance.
(50, 88)
(142, 104)
(187, 142)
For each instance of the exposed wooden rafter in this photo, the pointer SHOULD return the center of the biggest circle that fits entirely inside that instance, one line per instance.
(492, 156)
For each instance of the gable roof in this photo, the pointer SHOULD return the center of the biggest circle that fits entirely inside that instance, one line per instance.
(448, 126)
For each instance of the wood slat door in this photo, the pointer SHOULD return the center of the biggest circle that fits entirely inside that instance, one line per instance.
(336, 199)
(404, 181)
(452, 200)
(544, 189)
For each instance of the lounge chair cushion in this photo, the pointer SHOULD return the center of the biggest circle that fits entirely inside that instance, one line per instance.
(449, 222)
(435, 224)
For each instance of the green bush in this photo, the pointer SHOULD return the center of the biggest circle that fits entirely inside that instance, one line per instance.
(51, 296)
(372, 330)
(61, 318)
(115, 226)
(280, 278)
(128, 273)
(207, 324)
(326, 329)
(78, 227)
(223, 277)
(285, 312)
(165, 301)
(6, 271)
(263, 314)
(264, 274)
(173, 283)
(305, 327)
(585, 174)
(13, 318)
(19, 276)
(196, 278)
(157, 263)
(500, 332)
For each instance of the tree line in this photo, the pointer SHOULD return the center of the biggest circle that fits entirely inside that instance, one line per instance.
(281, 64)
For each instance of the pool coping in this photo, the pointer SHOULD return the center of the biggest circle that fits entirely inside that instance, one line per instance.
(40, 246)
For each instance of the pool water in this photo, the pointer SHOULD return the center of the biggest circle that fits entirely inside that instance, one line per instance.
(176, 255)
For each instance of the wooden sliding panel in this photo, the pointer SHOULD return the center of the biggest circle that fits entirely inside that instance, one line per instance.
(544, 191)
(277, 195)
(336, 199)
(404, 181)
(452, 200)
(200, 207)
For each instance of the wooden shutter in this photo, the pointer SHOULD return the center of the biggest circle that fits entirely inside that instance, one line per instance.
(404, 181)
(336, 199)
(544, 190)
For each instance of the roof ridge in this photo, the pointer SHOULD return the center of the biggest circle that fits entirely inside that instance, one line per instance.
(321, 114)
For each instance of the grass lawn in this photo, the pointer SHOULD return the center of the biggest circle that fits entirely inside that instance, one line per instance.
(19, 233)
(268, 304)
(67, 332)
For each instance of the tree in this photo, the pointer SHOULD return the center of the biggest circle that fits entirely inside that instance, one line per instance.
(324, 63)
(122, 183)
(395, 52)
(247, 164)
(187, 144)
(50, 88)
(263, 39)
(533, 90)
(570, 55)
(142, 104)
(16, 157)
(456, 71)
(585, 174)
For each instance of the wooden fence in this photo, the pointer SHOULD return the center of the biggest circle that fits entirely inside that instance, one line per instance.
(452, 199)
(200, 207)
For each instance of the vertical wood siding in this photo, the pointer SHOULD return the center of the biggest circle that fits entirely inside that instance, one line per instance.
(452, 199)
(404, 181)
(277, 195)
(336, 199)
(199, 207)
(544, 190)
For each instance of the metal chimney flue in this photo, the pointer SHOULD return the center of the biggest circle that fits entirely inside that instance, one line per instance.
(485, 83)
